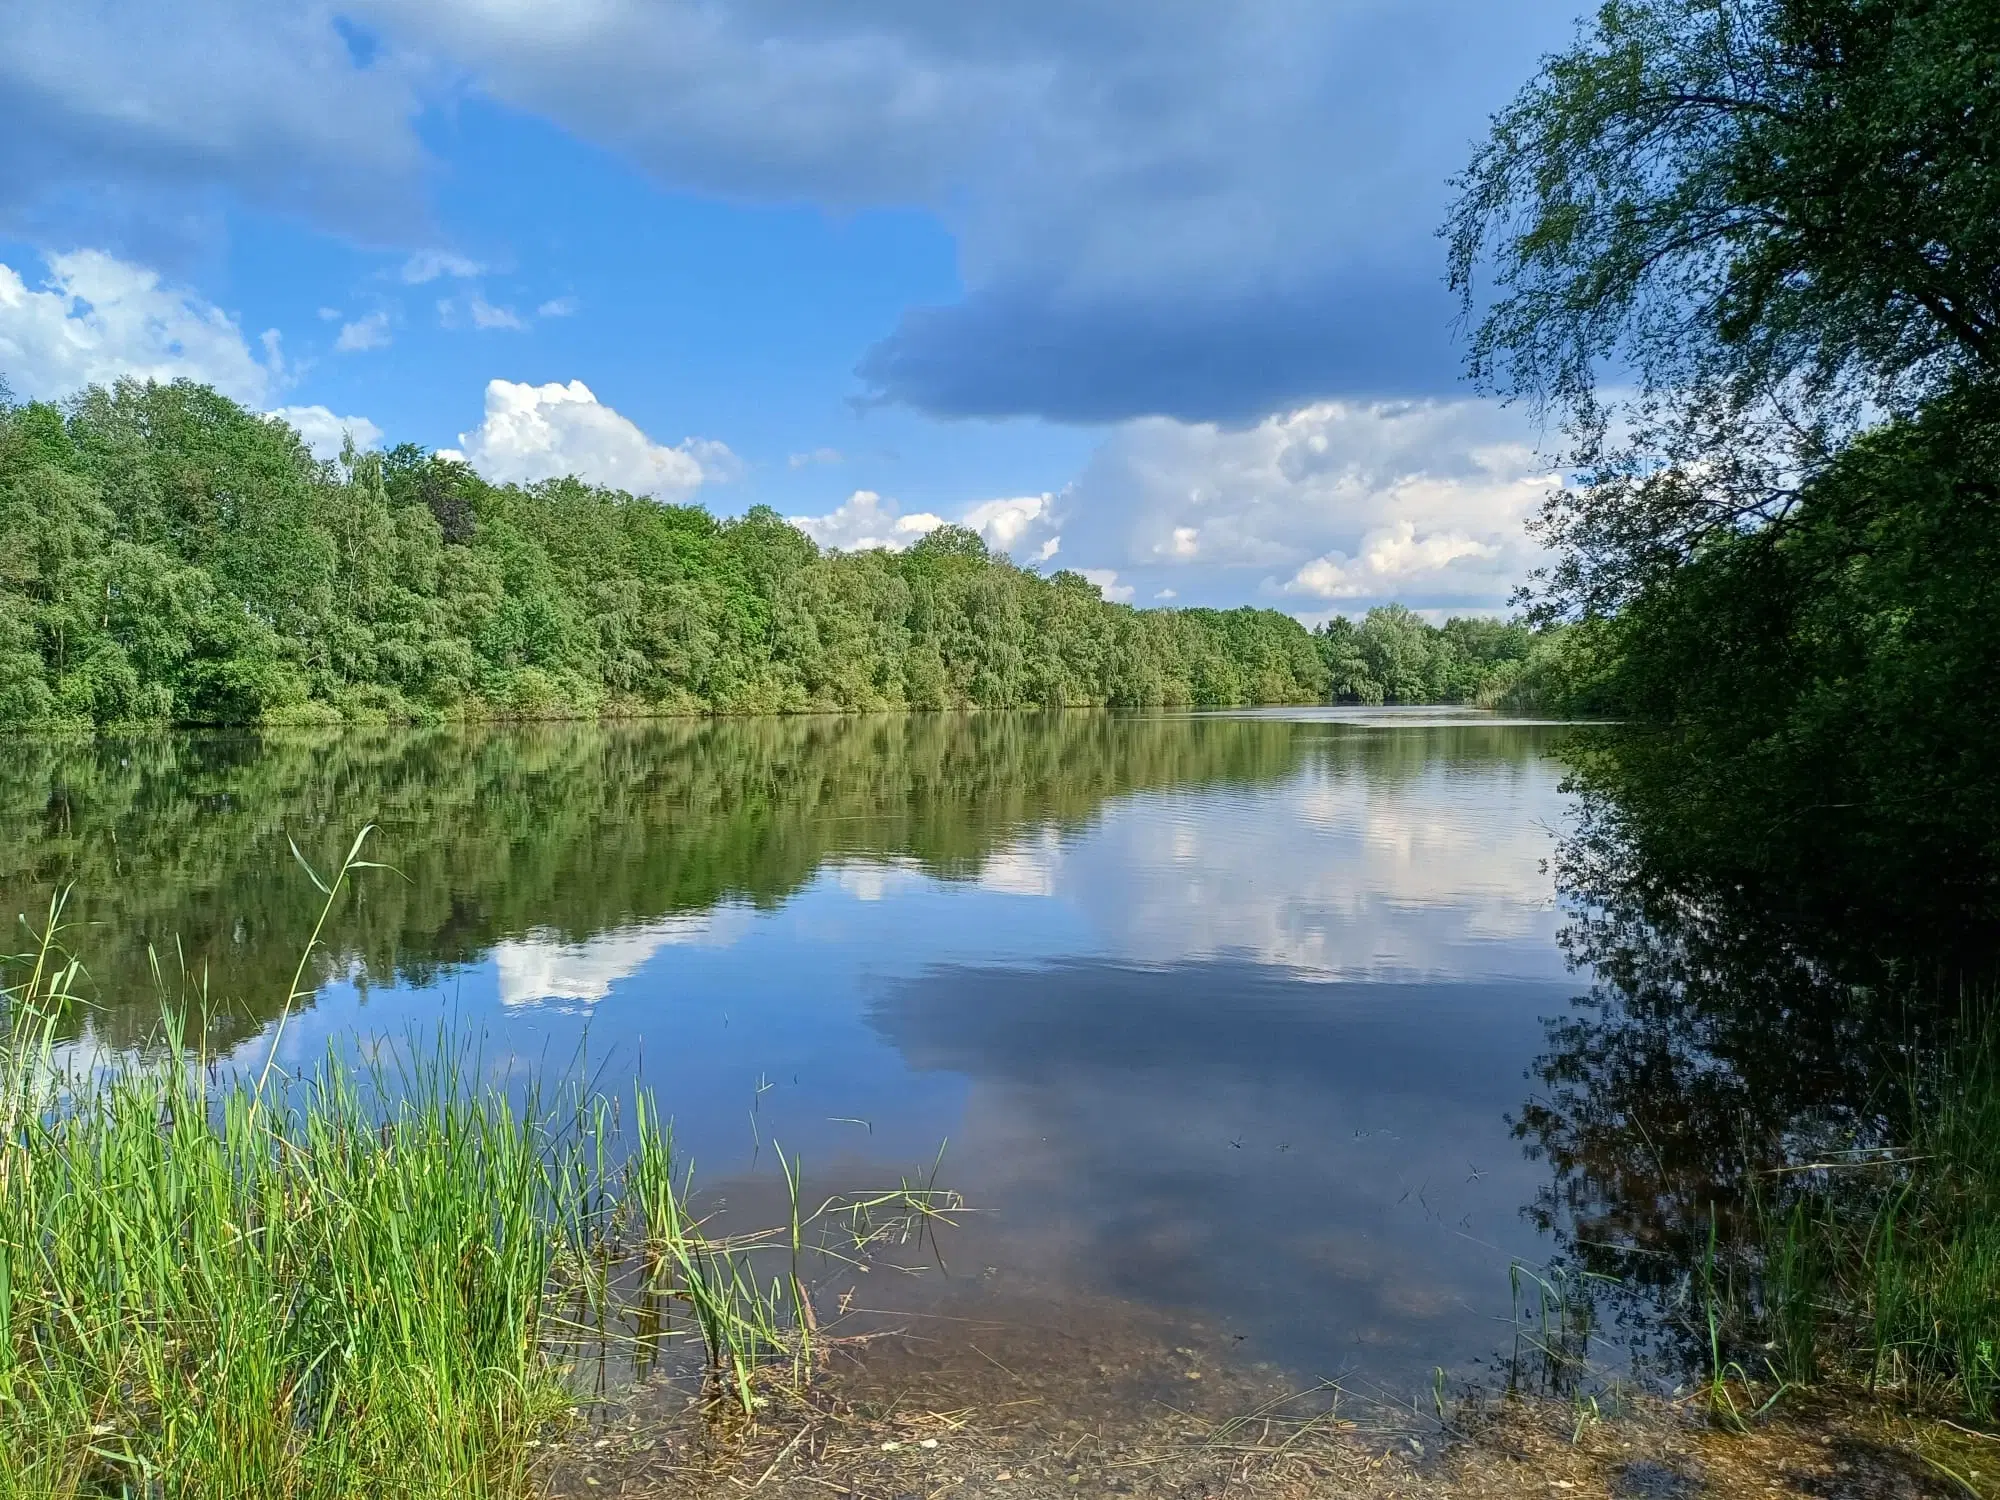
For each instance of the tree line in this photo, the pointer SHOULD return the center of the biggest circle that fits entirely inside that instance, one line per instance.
(175, 557)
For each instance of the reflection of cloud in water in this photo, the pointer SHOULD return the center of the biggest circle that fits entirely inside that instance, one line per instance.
(541, 967)
(1026, 868)
(1344, 873)
(1325, 1167)
(873, 879)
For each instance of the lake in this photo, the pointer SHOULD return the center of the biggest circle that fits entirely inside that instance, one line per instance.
(1219, 1021)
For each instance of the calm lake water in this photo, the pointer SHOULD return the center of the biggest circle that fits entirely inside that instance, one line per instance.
(1221, 1018)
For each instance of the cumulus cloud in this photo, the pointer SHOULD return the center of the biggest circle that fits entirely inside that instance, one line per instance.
(97, 318)
(365, 333)
(1108, 585)
(1020, 525)
(533, 432)
(865, 521)
(1353, 503)
(325, 433)
(1208, 212)
(558, 307)
(1006, 523)
(1393, 558)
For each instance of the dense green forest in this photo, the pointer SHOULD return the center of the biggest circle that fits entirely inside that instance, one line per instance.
(1778, 223)
(175, 557)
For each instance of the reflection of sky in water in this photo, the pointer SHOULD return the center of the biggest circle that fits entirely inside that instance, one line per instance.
(1248, 1050)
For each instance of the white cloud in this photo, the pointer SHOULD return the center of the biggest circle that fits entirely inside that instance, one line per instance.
(326, 433)
(719, 463)
(428, 265)
(1020, 525)
(1108, 585)
(99, 318)
(533, 432)
(486, 315)
(865, 521)
(329, 315)
(1165, 594)
(558, 307)
(817, 456)
(1392, 558)
(1006, 525)
(1364, 503)
(370, 332)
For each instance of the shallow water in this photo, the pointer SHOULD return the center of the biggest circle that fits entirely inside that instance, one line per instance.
(1222, 1020)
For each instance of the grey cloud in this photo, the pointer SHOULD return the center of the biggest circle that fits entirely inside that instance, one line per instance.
(134, 123)
(1162, 206)
(1203, 210)
(1192, 353)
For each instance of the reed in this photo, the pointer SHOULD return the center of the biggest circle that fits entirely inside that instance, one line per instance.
(1881, 1264)
(351, 1282)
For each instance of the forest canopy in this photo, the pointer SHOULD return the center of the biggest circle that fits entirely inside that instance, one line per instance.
(175, 557)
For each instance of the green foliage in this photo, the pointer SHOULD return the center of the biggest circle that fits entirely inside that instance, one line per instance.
(1392, 655)
(1820, 687)
(1753, 189)
(1778, 222)
(176, 557)
(1773, 219)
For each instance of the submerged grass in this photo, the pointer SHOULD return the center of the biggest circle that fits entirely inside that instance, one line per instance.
(347, 1283)
(1879, 1265)
(1890, 1264)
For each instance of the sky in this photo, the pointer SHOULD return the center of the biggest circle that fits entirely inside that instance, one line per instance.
(1146, 288)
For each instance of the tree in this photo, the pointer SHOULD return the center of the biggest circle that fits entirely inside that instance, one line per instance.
(1773, 219)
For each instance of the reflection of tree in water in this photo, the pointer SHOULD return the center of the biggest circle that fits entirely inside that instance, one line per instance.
(569, 829)
(1725, 1033)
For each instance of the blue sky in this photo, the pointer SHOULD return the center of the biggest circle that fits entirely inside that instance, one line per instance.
(1148, 288)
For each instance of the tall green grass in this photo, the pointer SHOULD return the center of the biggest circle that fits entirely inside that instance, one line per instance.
(347, 1283)
(1882, 1264)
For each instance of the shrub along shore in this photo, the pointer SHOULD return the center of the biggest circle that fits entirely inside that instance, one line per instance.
(176, 557)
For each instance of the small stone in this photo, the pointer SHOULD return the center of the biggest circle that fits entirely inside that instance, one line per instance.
(928, 1443)
(890, 1447)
